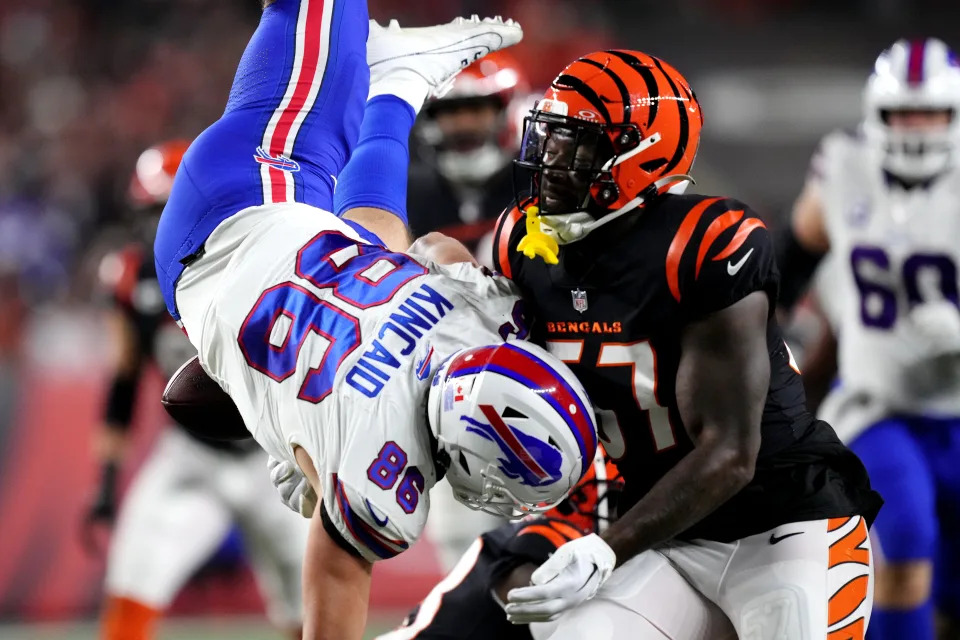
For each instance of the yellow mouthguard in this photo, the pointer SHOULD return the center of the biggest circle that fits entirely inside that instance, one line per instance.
(536, 242)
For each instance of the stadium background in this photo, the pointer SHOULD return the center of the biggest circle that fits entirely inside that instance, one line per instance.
(86, 85)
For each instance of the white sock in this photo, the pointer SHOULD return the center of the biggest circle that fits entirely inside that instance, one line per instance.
(406, 84)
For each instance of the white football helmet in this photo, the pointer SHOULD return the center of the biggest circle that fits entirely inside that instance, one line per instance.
(517, 425)
(921, 75)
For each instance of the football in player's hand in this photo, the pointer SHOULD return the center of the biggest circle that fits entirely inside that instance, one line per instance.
(196, 402)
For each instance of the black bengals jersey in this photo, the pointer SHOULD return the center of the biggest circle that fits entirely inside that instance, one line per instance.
(461, 607)
(614, 309)
(135, 291)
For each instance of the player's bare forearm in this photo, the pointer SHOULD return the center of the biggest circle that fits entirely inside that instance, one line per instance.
(441, 249)
(690, 491)
(722, 384)
(386, 225)
(336, 588)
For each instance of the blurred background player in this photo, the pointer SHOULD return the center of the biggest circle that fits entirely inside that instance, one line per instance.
(184, 501)
(460, 176)
(885, 201)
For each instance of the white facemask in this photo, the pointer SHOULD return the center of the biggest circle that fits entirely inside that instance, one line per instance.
(570, 227)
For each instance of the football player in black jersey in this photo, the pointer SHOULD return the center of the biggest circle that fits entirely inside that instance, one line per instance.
(662, 304)
(190, 491)
(467, 603)
(464, 606)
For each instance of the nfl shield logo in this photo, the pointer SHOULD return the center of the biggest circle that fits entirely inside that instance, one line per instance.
(579, 300)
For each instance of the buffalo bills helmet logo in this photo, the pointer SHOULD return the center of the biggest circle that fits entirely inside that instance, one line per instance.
(533, 461)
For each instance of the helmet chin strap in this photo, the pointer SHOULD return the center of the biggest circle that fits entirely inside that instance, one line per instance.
(567, 228)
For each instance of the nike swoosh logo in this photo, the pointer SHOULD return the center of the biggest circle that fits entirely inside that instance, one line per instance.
(774, 539)
(373, 513)
(732, 268)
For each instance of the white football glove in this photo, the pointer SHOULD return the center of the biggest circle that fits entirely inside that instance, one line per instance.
(294, 488)
(571, 576)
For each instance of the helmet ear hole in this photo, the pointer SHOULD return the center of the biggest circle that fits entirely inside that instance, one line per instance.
(510, 412)
(463, 463)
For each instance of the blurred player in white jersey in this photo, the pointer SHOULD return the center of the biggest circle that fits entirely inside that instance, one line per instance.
(190, 492)
(885, 201)
(372, 372)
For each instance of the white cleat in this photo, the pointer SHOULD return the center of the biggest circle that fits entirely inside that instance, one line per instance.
(437, 53)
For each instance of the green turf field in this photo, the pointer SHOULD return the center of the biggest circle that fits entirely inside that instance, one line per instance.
(174, 629)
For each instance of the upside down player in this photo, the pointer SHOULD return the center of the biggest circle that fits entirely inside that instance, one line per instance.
(662, 305)
(190, 491)
(883, 199)
(468, 603)
(373, 371)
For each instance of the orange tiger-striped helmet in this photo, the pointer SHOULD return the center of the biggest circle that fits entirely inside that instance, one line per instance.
(614, 129)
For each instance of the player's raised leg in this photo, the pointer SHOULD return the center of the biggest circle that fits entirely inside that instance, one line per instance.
(290, 124)
(406, 66)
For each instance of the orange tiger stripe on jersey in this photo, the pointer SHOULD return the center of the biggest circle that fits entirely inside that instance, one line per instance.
(567, 530)
(508, 220)
(847, 599)
(716, 227)
(849, 548)
(679, 244)
(836, 523)
(740, 237)
(552, 535)
(853, 631)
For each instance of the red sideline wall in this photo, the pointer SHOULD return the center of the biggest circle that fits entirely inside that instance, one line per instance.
(46, 477)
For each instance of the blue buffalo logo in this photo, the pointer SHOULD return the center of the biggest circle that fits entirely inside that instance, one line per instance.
(530, 459)
(277, 162)
(423, 366)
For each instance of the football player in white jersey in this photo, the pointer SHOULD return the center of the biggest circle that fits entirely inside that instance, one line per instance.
(885, 201)
(374, 372)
